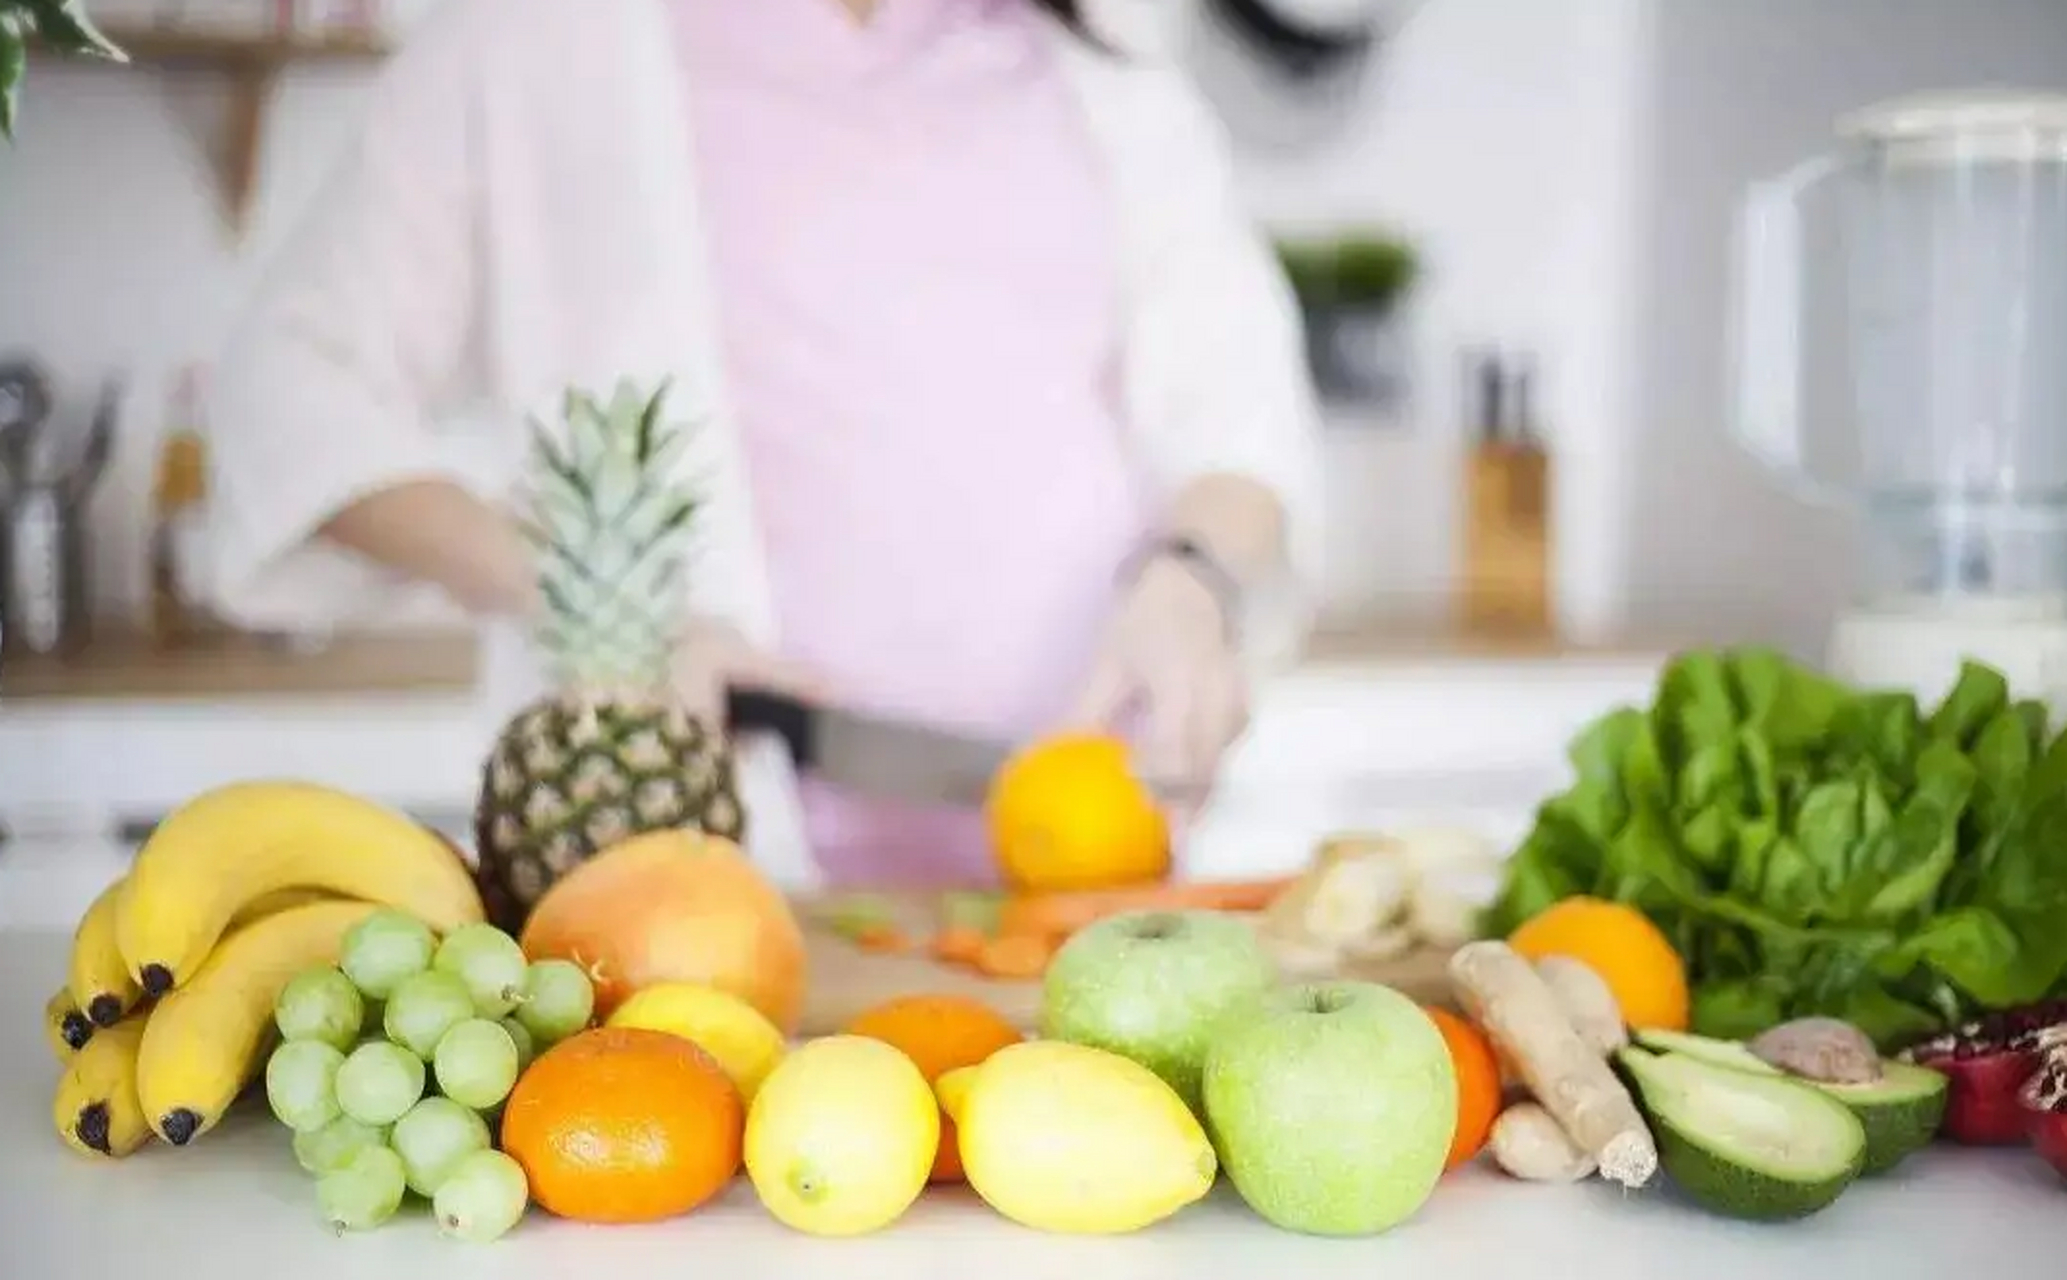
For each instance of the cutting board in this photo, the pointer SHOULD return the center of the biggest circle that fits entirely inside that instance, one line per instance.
(844, 980)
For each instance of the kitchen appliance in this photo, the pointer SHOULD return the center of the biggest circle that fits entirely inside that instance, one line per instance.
(877, 756)
(44, 548)
(1900, 348)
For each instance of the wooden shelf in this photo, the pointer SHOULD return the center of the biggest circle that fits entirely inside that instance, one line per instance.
(120, 666)
(228, 668)
(251, 64)
(152, 46)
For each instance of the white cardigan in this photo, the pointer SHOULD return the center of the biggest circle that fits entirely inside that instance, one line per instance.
(520, 215)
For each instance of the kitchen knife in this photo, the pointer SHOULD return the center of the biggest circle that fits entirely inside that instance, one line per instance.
(875, 755)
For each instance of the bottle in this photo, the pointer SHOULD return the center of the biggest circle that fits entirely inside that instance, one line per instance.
(1506, 575)
(177, 492)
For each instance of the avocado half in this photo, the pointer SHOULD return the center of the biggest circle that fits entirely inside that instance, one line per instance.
(1901, 1112)
(1742, 1143)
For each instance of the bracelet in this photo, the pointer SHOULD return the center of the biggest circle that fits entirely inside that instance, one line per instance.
(1202, 564)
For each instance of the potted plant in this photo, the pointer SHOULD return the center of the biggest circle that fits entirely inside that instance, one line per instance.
(60, 26)
(1351, 292)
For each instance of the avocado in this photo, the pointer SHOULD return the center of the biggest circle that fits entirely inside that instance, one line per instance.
(1901, 1111)
(1721, 1053)
(1746, 1144)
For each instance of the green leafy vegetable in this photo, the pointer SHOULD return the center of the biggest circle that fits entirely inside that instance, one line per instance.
(1815, 849)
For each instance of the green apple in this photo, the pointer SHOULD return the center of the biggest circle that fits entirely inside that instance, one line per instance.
(1151, 985)
(1332, 1107)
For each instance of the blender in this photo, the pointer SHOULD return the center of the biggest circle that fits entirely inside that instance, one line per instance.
(1900, 351)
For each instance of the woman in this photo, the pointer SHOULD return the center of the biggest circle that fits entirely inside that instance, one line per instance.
(1006, 424)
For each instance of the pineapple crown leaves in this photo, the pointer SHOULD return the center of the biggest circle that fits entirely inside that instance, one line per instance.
(59, 25)
(612, 520)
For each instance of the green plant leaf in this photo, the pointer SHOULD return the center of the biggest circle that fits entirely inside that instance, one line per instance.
(63, 25)
(14, 61)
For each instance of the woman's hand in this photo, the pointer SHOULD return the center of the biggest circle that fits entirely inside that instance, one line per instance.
(712, 657)
(1168, 662)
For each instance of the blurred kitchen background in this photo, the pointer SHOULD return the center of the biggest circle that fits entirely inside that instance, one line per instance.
(1512, 218)
(1563, 171)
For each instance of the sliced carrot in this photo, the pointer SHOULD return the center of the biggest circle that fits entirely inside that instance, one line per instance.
(1057, 915)
(959, 944)
(1015, 956)
(882, 939)
(971, 909)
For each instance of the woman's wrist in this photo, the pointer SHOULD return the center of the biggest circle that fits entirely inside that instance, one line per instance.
(1183, 554)
(1232, 520)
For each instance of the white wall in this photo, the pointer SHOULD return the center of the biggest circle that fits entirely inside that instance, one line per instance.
(1504, 139)
(1742, 89)
(112, 257)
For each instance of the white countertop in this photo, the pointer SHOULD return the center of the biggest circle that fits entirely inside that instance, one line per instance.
(237, 1196)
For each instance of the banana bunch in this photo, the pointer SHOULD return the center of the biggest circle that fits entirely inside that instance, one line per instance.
(167, 1010)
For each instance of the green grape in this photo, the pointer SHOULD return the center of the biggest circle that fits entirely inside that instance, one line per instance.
(301, 1084)
(383, 949)
(320, 1004)
(476, 1064)
(521, 1037)
(364, 1193)
(332, 1147)
(482, 1197)
(489, 962)
(436, 1135)
(558, 999)
(424, 1007)
(379, 1082)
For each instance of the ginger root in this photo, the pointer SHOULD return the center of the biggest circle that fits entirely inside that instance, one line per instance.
(1354, 894)
(1587, 1001)
(1520, 1013)
(1528, 1143)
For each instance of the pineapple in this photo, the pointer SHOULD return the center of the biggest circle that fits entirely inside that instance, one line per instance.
(610, 753)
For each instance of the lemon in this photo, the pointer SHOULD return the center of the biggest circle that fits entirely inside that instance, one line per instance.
(738, 1035)
(1068, 1138)
(841, 1137)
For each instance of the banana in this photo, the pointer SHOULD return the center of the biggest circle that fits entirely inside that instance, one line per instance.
(64, 1026)
(99, 977)
(208, 1038)
(96, 1111)
(230, 845)
(279, 900)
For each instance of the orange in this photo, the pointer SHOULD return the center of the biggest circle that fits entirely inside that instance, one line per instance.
(1478, 1084)
(1621, 944)
(1068, 813)
(674, 906)
(939, 1034)
(621, 1124)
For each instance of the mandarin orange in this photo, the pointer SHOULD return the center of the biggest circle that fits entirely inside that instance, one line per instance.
(1068, 813)
(939, 1033)
(621, 1124)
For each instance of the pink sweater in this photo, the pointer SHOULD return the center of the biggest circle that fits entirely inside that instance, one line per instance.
(913, 255)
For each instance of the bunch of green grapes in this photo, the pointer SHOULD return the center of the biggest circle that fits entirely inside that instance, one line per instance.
(393, 1064)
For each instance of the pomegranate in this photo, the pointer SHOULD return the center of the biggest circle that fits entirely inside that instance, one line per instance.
(1988, 1062)
(2044, 1097)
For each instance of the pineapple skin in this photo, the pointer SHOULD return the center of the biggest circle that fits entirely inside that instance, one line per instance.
(572, 774)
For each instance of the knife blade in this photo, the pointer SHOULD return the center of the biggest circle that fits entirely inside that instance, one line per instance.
(878, 755)
(875, 755)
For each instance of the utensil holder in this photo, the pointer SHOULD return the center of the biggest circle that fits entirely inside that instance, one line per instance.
(44, 557)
